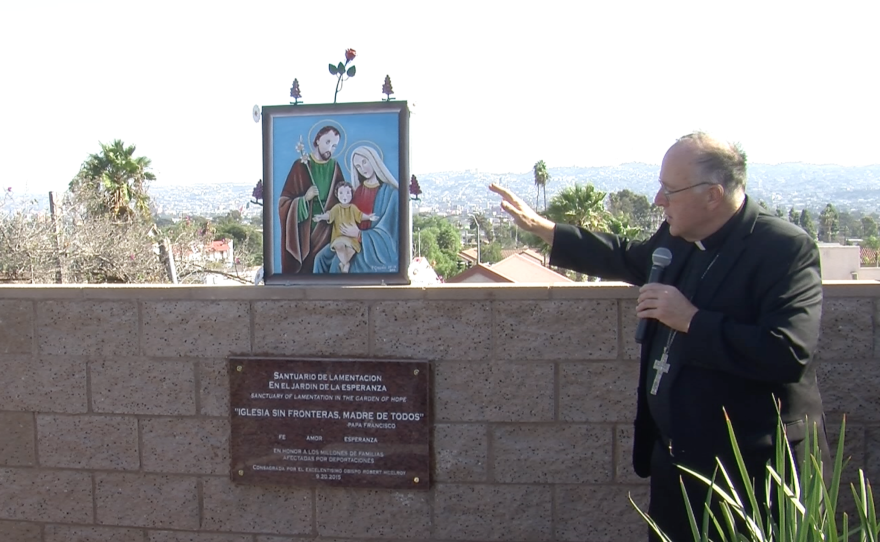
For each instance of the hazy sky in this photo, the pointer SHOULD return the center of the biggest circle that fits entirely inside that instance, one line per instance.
(493, 86)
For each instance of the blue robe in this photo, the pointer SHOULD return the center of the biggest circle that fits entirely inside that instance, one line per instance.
(379, 243)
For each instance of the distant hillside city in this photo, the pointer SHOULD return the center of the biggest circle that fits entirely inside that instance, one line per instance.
(798, 185)
(457, 192)
(201, 223)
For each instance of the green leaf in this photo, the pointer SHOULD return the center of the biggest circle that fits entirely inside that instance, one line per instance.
(651, 522)
(333, 69)
(340, 68)
(351, 71)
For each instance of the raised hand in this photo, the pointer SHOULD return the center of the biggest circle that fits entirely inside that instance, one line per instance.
(524, 216)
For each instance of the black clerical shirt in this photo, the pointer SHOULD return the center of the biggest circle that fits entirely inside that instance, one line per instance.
(698, 265)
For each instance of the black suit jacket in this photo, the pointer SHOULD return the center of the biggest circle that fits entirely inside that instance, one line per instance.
(753, 338)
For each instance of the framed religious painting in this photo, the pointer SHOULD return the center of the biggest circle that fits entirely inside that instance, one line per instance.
(335, 198)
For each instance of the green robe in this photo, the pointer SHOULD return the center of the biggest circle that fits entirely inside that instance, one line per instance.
(301, 237)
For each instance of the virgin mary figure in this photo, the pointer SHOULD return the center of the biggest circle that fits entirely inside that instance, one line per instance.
(375, 192)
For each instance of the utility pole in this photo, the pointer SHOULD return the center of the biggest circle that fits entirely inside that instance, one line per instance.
(166, 253)
(477, 222)
(57, 232)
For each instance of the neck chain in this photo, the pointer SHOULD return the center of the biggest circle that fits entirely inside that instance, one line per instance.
(661, 365)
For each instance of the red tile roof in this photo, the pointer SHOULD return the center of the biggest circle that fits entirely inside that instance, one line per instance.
(517, 268)
(219, 246)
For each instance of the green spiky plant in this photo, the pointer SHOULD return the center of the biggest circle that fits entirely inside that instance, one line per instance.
(807, 507)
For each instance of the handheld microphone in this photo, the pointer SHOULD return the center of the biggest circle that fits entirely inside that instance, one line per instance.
(661, 258)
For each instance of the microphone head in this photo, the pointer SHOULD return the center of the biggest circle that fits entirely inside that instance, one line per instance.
(661, 257)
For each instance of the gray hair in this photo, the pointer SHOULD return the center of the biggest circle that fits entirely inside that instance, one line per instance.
(719, 162)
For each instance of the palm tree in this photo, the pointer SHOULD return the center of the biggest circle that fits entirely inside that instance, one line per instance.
(542, 177)
(116, 181)
(580, 205)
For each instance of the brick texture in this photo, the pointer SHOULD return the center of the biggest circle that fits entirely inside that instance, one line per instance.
(186, 445)
(38, 384)
(311, 328)
(847, 329)
(454, 330)
(114, 410)
(461, 452)
(19, 531)
(168, 536)
(629, 322)
(849, 387)
(561, 330)
(248, 509)
(213, 388)
(134, 386)
(83, 328)
(493, 512)
(598, 392)
(16, 326)
(374, 514)
(600, 513)
(499, 392)
(17, 443)
(65, 533)
(138, 500)
(53, 496)
(565, 454)
(88, 442)
(196, 328)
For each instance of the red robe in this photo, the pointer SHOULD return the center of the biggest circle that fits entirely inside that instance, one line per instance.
(364, 198)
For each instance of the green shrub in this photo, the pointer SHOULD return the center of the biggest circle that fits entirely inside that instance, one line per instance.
(807, 506)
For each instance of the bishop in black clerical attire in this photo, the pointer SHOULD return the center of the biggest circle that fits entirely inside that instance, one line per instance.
(734, 323)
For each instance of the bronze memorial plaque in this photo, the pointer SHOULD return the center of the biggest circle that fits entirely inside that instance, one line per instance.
(318, 422)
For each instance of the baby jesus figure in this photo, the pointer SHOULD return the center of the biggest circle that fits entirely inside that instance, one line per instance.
(342, 214)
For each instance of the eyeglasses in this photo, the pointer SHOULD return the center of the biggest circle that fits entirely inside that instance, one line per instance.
(667, 192)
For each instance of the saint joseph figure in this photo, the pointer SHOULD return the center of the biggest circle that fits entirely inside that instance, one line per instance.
(307, 193)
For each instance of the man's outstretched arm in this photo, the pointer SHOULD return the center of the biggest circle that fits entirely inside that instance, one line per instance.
(523, 215)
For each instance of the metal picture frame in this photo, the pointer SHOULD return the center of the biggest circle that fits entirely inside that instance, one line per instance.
(335, 197)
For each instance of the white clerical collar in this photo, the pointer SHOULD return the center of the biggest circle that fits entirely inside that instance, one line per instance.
(700, 245)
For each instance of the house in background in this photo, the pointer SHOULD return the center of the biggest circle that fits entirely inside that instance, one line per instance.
(220, 251)
(216, 251)
(521, 267)
(469, 255)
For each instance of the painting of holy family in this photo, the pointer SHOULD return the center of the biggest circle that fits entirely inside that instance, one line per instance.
(335, 199)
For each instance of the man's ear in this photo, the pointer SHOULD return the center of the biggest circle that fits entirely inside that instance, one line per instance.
(716, 194)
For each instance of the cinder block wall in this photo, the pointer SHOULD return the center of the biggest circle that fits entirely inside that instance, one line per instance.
(114, 409)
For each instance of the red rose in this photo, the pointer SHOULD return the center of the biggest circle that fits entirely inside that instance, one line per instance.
(350, 54)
